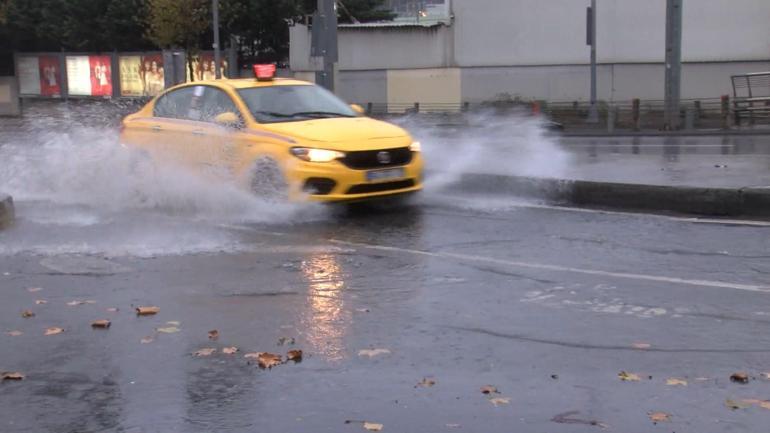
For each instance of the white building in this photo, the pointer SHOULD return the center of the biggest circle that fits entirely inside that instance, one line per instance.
(481, 50)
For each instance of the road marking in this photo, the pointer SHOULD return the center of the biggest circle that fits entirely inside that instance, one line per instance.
(557, 268)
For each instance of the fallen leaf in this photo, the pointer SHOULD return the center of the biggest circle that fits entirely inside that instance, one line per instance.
(362, 310)
(676, 382)
(168, 330)
(372, 426)
(27, 314)
(284, 341)
(34, 289)
(765, 375)
(765, 404)
(569, 418)
(734, 405)
(53, 331)
(659, 417)
(113, 310)
(205, 352)
(14, 333)
(230, 350)
(89, 302)
(641, 346)
(76, 303)
(40, 302)
(147, 311)
(489, 389)
(294, 355)
(372, 352)
(253, 355)
(740, 377)
(101, 324)
(425, 383)
(497, 401)
(628, 377)
(702, 379)
(147, 340)
(213, 334)
(12, 376)
(268, 360)
(173, 323)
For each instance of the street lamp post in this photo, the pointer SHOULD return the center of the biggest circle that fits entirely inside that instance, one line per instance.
(671, 113)
(217, 55)
(593, 113)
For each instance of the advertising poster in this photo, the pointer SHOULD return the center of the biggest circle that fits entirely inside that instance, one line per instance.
(50, 76)
(205, 69)
(29, 75)
(141, 75)
(78, 75)
(101, 75)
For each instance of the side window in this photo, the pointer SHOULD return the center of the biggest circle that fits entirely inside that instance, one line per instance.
(215, 103)
(174, 104)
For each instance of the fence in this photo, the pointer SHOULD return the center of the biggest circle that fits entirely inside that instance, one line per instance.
(113, 75)
(751, 97)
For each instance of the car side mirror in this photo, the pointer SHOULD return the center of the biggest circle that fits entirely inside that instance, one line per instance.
(358, 109)
(228, 119)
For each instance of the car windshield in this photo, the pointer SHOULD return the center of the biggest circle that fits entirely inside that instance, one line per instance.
(293, 103)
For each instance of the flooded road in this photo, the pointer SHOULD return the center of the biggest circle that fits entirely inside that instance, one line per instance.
(403, 311)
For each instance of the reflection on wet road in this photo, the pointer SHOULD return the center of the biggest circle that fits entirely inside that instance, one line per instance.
(327, 318)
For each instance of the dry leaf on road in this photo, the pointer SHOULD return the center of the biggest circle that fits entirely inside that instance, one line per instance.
(659, 417)
(101, 324)
(294, 355)
(27, 314)
(765, 404)
(147, 340)
(268, 360)
(40, 302)
(676, 382)
(629, 377)
(252, 355)
(641, 346)
(740, 377)
(733, 404)
(14, 333)
(168, 330)
(489, 389)
(425, 383)
(372, 352)
(147, 311)
(205, 352)
(213, 334)
(173, 323)
(372, 426)
(497, 401)
(76, 303)
(34, 289)
(12, 376)
(53, 331)
(286, 341)
(113, 310)
(765, 375)
(230, 350)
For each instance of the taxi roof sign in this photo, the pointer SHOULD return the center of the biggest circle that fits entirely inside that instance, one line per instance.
(264, 72)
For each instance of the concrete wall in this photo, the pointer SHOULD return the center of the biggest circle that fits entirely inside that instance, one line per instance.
(9, 97)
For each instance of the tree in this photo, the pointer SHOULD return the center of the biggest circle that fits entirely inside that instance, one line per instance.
(178, 23)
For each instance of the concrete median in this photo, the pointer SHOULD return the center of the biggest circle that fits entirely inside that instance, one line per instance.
(6, 210)
(746, 202)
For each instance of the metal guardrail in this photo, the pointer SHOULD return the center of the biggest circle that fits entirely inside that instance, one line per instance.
(751, 97)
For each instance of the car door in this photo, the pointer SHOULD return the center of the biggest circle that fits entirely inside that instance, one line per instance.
(170, 126)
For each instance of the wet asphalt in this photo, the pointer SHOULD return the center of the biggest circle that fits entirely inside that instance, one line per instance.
(547, 305)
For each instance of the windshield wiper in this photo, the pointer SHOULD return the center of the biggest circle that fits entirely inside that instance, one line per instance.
(320, 114)
(274, 114)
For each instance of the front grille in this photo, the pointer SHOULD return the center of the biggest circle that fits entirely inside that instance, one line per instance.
(366, 159)
(319, 186)
(367, 188)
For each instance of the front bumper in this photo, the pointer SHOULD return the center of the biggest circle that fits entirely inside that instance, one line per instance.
(351, 184)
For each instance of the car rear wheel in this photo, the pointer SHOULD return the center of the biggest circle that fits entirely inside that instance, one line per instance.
(267, 180)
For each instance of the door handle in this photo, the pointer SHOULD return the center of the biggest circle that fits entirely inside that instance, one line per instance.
(198, 132)
(156, 128)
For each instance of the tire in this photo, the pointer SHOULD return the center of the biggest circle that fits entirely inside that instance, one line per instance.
(267, 181)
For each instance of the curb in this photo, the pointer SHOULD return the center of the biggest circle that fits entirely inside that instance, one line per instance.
(747, 202)
(6, 210)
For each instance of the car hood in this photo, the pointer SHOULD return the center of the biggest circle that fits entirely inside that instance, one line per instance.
(341, 133)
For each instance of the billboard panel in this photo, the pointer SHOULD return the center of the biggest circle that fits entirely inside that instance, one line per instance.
(101, 75)
(204, 69)
(28, 69)
(50, 76)
(78, 75)
(141, 75)
(153, 74)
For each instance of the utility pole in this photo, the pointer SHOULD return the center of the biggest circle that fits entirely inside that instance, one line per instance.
(673, 64)
(593, 111)
(217, 55)
(324, 38)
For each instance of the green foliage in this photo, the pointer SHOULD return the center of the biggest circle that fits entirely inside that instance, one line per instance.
(177, 23)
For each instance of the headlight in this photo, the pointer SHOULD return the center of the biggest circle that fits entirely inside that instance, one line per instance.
(316, 155)
(416, 147)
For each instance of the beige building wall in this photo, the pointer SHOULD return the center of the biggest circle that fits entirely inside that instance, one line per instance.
(439, 86)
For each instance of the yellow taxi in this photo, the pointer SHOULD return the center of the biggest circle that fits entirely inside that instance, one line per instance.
(277, 137)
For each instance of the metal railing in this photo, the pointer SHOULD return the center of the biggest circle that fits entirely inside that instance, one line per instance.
(751, 97)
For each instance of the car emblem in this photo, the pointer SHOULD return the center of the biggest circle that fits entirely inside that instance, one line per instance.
(383, 157)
